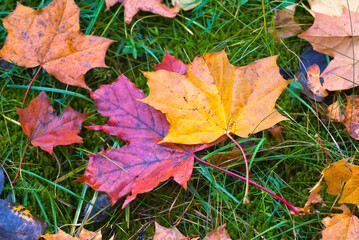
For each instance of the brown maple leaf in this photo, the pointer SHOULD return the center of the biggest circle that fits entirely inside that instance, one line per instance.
(163, 233)
(285, 24)
(45, 129)
(217, 98)
(50, 37)
(335, 112)
(134, 6)
(337, 41)
(351, 119)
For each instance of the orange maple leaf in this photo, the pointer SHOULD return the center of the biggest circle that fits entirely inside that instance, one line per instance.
(341, 226)
(50, 37)
(134, 6)
(217, 98)
(351, 188)
(335, 175)
(351, 117)
(61, 235)
(337, 41)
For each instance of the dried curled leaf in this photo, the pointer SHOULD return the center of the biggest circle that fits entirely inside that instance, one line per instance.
(51, 37)
(313, 81)
(134, 6)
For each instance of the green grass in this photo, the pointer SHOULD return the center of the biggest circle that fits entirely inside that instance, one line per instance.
(288, 167)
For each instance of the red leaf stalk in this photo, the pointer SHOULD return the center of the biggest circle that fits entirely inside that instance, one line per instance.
(32, 80)
(290, 206)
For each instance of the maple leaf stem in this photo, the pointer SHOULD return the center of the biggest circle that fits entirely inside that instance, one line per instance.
(22, 158)
(245, 200)
(32, 80)
(290, 206)
(321, 144)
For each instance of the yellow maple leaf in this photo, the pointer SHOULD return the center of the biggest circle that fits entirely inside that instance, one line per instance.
(217, 98)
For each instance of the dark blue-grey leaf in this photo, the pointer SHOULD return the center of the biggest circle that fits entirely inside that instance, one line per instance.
(18, 223)
(2, 180)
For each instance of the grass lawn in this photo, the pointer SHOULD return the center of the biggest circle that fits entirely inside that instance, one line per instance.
(288, 166)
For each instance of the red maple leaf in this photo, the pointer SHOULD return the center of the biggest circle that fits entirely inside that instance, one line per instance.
(170, 63)
(45, 129)
(142, 164)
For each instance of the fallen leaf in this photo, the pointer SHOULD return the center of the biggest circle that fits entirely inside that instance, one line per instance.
(163, 233)
(276, 131)
(351, 188)
(335, 175)
(219, 233)
(134, 6)
(47, 130)
(17, 222)
(351, 120)
(335, 112)
(336, 41)
(285, 25)
(217, 98)
(314, 196)
(310, 57)
(61, 235)
(98, 210)
(142, 164)
(50, 37)
(313, 81)
(341, 227)
(187, 4)
(333, 7)
(170, 63)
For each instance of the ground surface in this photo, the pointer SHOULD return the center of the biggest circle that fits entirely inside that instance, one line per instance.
(287, 166)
